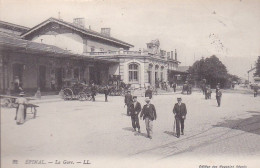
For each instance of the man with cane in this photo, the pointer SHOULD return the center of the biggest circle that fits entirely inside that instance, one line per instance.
(179, 112)
(128, 101)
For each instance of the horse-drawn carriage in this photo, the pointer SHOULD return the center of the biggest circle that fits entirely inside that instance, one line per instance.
(76, 90)
(187, 88)
(119, 89)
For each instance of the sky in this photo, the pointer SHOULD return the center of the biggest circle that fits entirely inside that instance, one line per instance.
(228, 29)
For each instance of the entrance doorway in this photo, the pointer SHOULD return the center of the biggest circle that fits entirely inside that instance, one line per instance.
(58, 75)
(94, 75)
(42, 77)
(18, 76)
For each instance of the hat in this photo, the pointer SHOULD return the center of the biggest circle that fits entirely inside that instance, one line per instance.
(134, 97)
(147, 99)
(21, 94)
(179, 98)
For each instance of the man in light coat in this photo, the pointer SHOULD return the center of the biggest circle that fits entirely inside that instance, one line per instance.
(149, 114)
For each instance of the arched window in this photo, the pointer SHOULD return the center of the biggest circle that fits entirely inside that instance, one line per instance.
(133, 73)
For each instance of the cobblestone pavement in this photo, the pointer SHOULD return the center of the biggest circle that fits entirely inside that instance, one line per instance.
(101, 130)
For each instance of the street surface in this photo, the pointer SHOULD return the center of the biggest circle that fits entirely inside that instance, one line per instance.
(100, 131)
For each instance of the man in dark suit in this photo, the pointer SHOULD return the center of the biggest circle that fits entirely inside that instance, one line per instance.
(106, 92)
(128, 101)
(255, 90)
(179, 112)
(174, 86)
(218, 97)
(149, 114)
(135, 109)
(93, 91)
(149, 93)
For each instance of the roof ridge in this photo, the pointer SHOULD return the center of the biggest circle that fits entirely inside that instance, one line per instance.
(81, 29)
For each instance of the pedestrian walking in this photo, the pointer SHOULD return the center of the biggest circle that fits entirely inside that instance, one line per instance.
(255, 90)
(208, 91)
(128, 101)
(106, 92)
(174, 86)
(218, 97)
(149, 114)
(93, 92)
(217, 87)
(149, 93)
(180, 113)
(21, 109)
(135, 109)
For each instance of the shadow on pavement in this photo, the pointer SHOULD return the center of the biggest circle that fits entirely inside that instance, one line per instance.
(140, 134)
(251, 124)
(128, 129)
(136, 133)
(169, 133)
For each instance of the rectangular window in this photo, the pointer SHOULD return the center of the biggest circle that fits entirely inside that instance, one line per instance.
(133, 73)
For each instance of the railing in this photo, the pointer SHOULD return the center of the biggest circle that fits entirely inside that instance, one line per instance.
(124, 52)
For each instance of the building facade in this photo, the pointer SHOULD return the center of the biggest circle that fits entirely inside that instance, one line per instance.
(55, 52)
(142, 68)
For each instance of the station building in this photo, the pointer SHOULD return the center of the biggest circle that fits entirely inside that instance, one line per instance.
(58, 52)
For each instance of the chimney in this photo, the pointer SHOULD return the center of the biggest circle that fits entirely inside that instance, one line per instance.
(79, 22)
(175, 55)
(172, 55)
(105, 31)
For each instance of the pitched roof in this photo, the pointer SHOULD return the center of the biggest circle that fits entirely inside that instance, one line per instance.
(79, 29)
(14, 26)
(13, 42)
(9, 40)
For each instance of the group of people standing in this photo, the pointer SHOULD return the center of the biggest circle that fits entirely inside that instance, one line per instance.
(148, 113)
(207, 92)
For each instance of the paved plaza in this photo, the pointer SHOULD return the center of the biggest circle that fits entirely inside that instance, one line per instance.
(97, 130)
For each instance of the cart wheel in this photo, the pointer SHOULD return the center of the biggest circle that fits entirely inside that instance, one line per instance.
(6, 102)
(82, 96)
(67, 94)
(88, 97)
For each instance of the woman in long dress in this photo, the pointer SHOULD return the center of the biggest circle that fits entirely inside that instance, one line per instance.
(20, 115)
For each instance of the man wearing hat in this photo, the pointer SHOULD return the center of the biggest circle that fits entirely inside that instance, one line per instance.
(149, 114)
(218, 96)
(179, 112)
(135, 109)
(128, 101)
(149, 93)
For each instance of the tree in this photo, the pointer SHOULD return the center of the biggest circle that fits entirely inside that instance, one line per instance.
(211, 69)
(257, 65)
